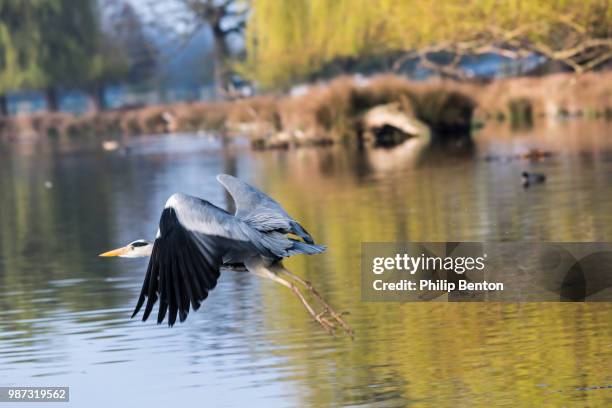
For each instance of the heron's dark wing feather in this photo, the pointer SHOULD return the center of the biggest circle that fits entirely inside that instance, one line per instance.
(187, 256)
(259, 210)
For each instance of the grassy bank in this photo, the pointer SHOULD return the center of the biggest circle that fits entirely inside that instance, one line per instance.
(334, 111)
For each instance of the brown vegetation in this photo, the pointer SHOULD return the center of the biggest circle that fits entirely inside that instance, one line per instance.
(334, 111)
(552, 95)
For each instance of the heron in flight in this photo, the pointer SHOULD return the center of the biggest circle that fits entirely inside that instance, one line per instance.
(197, 239)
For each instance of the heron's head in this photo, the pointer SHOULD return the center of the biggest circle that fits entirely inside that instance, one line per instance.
(137, 249)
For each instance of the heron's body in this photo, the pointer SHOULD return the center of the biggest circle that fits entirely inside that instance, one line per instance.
(196, 239)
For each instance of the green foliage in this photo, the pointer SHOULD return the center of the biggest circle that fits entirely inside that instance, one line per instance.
(19, 46)
(292, 39)
(54, 43)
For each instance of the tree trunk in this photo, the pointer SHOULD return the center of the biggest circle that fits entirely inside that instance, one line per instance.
(221, 56)
(98, 99)
(3, 106)
(51, 99)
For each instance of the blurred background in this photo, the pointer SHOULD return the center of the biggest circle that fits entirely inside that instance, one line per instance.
(388, 120)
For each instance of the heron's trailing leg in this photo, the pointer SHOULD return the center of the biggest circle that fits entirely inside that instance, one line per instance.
(260, 270)
(328, 309)
(326, 324)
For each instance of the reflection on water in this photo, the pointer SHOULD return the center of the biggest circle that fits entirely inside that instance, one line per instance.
(64, 313)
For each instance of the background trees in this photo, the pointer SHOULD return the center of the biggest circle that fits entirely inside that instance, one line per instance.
(20, 54)
(293, 39)
(53, 44)
(89, 44)
(74, 53)
(226, 20)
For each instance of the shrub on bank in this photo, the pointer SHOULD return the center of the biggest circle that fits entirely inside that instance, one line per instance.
(521, 112)
(334, 111)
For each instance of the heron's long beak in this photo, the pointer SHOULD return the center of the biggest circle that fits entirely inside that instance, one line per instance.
(116, 252)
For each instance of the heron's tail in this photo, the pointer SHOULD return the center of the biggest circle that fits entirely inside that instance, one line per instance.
(299, 247)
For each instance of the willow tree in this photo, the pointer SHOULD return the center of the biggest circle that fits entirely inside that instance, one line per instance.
(76, 53)
(19, 49)
(292, 39)
(55, 43)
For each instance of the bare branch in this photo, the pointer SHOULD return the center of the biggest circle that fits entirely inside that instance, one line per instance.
(594, 63)
(449, 70)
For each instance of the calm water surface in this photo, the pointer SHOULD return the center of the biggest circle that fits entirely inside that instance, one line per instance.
(64, 312)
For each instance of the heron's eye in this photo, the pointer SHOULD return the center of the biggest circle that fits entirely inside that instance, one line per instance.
(139, 244)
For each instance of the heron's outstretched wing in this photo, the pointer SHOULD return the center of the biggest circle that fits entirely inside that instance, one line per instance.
(259, 210)
(187, 255)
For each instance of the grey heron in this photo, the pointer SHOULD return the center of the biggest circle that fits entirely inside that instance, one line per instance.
(196, 239)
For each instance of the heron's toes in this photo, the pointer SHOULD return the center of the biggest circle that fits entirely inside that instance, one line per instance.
(321, 318)
(326, 324)
(347, 328)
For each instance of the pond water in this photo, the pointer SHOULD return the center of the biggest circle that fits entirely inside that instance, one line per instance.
(65, 313)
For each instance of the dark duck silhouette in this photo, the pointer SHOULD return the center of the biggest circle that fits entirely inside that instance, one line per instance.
(528, 179)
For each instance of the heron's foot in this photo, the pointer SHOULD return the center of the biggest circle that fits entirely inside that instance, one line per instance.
(328, 326)
(337, 319)
(329, 310)
(347, 328)
(318, 317)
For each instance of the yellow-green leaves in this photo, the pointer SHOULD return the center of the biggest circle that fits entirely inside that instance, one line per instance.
(292, 39)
